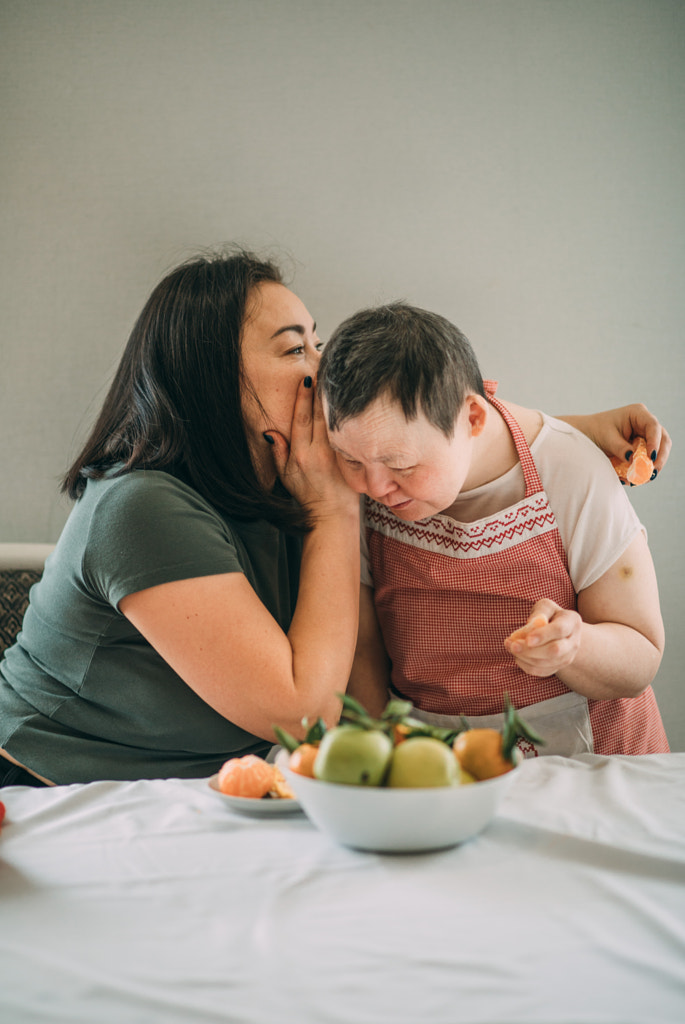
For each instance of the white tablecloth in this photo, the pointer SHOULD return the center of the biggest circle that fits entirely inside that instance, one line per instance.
(152, 902)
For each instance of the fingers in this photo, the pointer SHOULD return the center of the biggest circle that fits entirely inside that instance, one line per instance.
(301, 431)
(304, 462)
(535, 622)
(622, 426)
(652, 431)
(280, 449)
(644, 424)
(530, 633)
(548, 641)
(662, 449)
(319, 431)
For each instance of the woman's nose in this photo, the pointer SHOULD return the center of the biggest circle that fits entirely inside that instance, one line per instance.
(378, 482)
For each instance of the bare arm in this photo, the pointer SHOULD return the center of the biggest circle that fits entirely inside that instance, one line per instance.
(612, 646)
(613, 431)
(370, 677)
(219, 637)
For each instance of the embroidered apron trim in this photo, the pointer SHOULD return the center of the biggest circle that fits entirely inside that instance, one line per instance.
(530, 517)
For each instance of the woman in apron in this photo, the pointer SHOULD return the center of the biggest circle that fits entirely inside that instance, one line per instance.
(462, 546)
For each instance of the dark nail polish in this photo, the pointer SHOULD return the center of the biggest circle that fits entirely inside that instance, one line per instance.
(268, 438)
(622, 481)
(308, 382)
(654, 475)
(628, 455)
(653, 456)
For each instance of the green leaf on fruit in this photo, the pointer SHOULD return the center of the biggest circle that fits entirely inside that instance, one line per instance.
(514, 726)
(314, 733)
(287, 741)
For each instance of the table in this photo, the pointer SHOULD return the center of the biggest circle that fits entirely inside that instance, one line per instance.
(152, 902)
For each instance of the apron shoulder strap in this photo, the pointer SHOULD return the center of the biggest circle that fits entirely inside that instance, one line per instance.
(530, 473)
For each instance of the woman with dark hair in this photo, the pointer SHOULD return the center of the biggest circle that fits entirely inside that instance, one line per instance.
(192, 599)
(206, 583)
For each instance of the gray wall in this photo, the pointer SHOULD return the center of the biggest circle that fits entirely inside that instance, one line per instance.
(516, 165)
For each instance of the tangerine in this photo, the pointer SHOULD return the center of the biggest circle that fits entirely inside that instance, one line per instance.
(400, 731)
(479, 752)
(302, 759)
(248, 776)
(280, 788)
(520, 634)
(640, 468)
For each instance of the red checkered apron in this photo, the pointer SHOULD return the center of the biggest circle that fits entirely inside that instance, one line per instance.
(448, 593)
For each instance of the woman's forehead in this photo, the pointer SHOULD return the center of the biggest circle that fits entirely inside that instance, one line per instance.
(382, 431)
(272, 306)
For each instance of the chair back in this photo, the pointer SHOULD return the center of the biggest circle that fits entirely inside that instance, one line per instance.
(21, 565)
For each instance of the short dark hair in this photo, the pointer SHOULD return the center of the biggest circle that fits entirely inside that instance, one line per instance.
(175, 401)
(418, 358)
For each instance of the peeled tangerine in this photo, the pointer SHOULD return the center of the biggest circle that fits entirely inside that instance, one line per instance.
(248, 776)
(640, 468)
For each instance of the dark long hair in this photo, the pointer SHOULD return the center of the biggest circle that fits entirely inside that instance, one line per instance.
(175, 401)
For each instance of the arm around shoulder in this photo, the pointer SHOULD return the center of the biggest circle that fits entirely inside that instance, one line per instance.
(614, 430)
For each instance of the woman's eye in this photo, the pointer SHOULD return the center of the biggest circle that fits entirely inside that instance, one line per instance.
(297, 351)
(319, 346)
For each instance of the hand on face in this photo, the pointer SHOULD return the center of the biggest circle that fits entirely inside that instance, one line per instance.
(307, 466)
(279, 348)
(548, 642)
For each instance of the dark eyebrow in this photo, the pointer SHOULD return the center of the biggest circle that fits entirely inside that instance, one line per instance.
(298, 328)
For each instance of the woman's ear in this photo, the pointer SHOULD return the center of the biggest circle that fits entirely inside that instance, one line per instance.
(477, 412)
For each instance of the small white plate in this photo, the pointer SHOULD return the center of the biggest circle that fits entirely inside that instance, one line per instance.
(269, 807)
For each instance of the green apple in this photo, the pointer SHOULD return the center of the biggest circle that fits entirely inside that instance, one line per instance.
(353, 756)
(422, 761)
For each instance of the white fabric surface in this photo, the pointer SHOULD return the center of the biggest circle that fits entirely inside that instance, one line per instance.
(152, 902)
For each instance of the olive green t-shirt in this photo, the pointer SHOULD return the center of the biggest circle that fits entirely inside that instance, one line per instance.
(83, 696)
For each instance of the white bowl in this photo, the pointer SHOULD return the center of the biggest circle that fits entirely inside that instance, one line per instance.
(398, 820)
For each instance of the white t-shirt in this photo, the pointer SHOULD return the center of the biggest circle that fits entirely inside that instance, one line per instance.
(595, 518)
